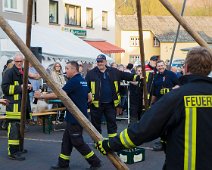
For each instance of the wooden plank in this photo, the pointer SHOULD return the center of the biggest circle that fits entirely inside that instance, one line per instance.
(25, 76)
(84, 122)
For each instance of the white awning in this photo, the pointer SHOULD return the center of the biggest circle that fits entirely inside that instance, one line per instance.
(54, 43)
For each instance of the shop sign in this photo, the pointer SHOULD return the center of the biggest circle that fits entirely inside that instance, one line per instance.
(79, 33)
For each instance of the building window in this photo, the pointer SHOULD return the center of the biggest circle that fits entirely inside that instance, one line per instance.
(134, 58)
(53, 12)
(104, 20)
(89, 17)
(13, 5)
(134, 41)
(156, 42)
(72, 15)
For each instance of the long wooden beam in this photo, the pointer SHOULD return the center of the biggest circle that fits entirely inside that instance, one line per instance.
(141, 44)
(25, 77)
(84, 122)
(185, 25)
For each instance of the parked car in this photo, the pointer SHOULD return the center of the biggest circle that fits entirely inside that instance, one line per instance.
(178, 63)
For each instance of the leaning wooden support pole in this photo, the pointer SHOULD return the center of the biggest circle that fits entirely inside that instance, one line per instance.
(85, 123)
(141, 44)
(185, 25)
(25, 77)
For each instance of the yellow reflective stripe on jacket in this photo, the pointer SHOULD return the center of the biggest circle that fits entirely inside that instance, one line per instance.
(93, 87)
(65, 157)
(134, 77)
(16, 96)
(89, 155)
(11, 89)
(13, 142)
(13, 115)
(190, 138)
(125, 140)
(191, 104)
(116, 102)
(95, 103)
(116, 85)
(16, 83)
(15, 107)
(147, 75)
(164, 90)
(112, 135)
(30, 115)
(8, 130)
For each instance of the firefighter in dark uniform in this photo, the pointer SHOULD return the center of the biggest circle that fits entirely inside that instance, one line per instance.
(163, 83)
(184, 114)
(12, 84)
(136, 98)
(77, 89)
(104, 83)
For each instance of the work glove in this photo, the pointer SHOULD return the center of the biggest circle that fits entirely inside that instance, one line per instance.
(103, 146)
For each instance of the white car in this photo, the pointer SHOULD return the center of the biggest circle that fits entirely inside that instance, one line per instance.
(178, 63)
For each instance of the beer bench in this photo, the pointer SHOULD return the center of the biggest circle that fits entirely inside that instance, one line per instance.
(46, 116)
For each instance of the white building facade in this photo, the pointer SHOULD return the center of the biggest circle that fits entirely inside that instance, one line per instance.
(90, 19)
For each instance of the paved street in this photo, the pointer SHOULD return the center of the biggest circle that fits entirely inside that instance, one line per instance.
(43, 150)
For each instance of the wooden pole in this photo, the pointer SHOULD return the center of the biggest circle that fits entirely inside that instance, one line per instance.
(25, 76)
(84, 122)
(141, 44)
(185, 25)
(175, 41)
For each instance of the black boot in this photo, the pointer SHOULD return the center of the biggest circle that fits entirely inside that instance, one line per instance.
(16, 156)
(158, 146)
(57, 166)
(95, 167)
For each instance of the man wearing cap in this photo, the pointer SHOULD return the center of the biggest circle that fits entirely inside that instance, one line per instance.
(151, 70)
(104, 83)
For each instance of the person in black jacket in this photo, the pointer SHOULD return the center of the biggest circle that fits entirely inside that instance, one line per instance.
(12, 86)
(136, 98)
(163, 83)
(184, 114)
(104, 83)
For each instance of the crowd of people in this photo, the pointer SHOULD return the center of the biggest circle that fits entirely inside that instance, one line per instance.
(173, 99)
